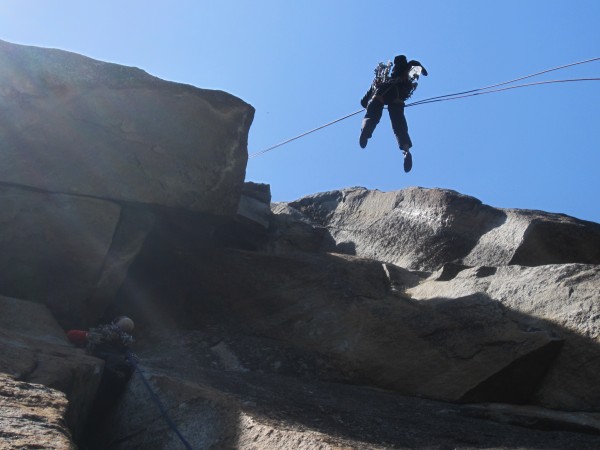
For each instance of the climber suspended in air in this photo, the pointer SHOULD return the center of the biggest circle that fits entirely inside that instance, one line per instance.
(392, 86)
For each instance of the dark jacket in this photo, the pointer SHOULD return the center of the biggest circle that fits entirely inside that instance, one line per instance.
(399, 87)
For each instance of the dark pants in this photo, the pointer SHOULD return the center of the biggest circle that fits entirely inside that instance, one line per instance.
(399, 124)
(116, 375)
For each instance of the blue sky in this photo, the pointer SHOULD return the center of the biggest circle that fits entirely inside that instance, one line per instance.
(302, 64)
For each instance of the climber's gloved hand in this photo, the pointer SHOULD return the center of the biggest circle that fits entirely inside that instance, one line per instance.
(417, 63)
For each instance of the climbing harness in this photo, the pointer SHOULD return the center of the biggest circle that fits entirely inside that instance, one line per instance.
(134, 362)
(459, 95)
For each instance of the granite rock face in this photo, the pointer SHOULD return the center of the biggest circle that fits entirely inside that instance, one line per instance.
(541, 267)
(34, 349)
(422, 229)
(32, 416)
(74, 125)
(92, 154)
(563, 299)
(93, 157)
(249, 411)
(348, 319)
(53, 247)
(467, 349)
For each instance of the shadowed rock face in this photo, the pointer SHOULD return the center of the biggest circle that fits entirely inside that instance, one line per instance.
(249, 411)
(343, 307)
(54, 246)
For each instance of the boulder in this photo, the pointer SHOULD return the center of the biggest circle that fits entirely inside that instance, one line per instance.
(92, 155)
(255, 204)
(293, 231)
(34, 349)
(33, 416)
(562, 299)
(250, 226)
(422, 229)
(78, 126)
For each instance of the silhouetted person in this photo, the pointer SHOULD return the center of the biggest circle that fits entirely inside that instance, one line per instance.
(391, 89)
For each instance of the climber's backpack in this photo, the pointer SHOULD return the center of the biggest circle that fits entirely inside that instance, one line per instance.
(109, 334)
(382, 74)
(405, 84)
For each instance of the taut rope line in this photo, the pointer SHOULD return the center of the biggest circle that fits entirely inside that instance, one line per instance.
(442, 98)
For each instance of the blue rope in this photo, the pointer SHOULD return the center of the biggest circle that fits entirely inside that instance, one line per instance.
(132, 360)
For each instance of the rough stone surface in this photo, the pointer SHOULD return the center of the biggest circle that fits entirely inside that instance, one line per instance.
(422, 229)
(34, 349)
(236, 409)
(134, 225)
(54, 247)
(561, 298)
(345, 307)
(255, 204)
(294, 325)
(536, 417)
(90, 154)
(32, 416)
(75, 125)
(292, 231)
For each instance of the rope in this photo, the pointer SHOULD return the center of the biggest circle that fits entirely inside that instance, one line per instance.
(473, 93)
(441, 98)
(132, 360)
(304, 134)
(515, 80)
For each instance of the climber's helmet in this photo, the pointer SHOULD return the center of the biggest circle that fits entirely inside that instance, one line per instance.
(124, 323)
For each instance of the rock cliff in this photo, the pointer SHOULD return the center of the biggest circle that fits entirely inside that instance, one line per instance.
(542, 267)
(422, 229)
(32, 416)
(358, 319)
(93, 150)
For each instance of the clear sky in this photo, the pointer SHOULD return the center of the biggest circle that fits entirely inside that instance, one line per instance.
(304, 63)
